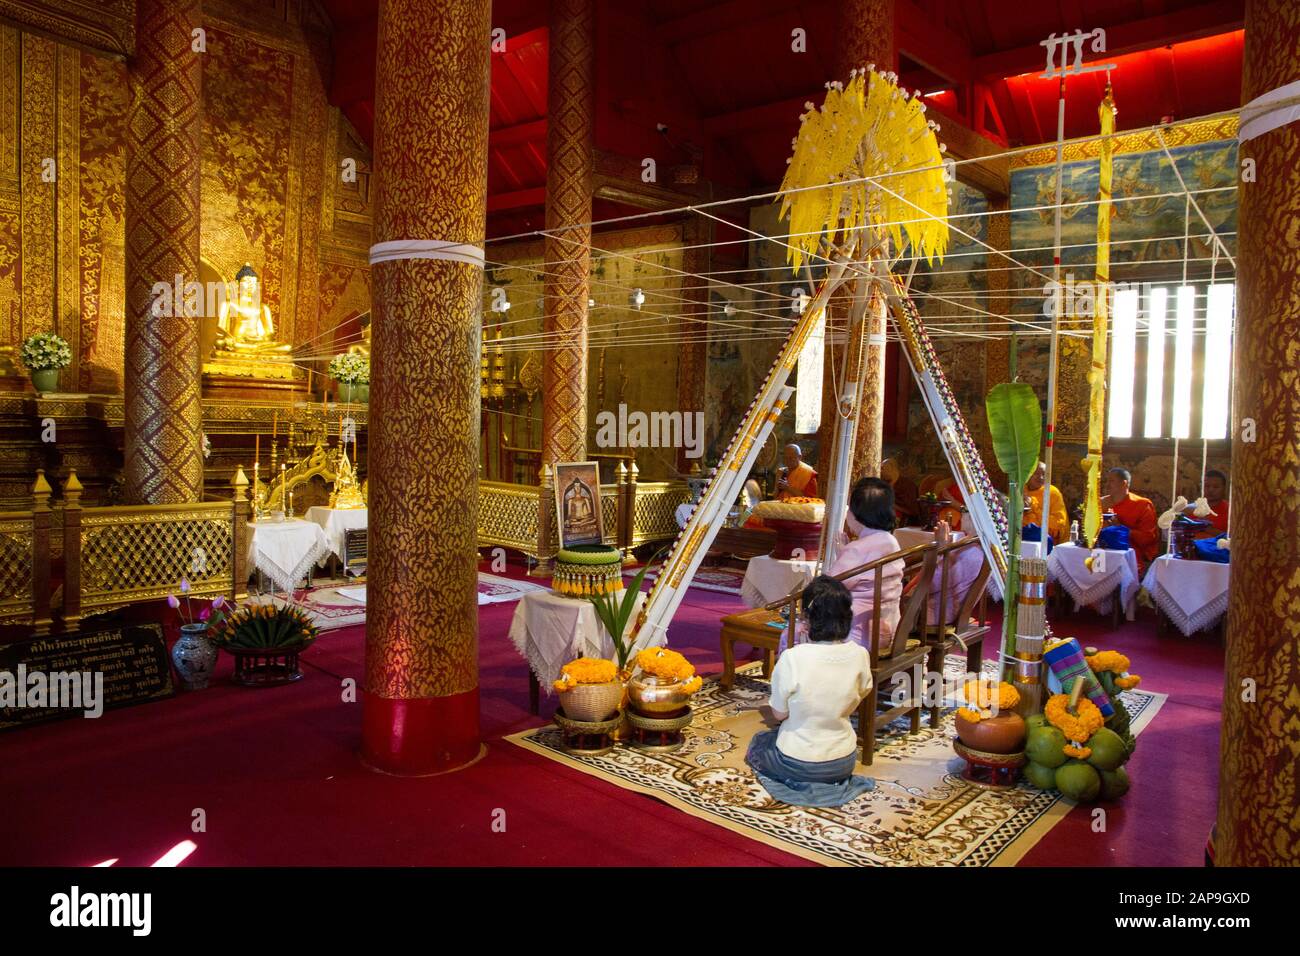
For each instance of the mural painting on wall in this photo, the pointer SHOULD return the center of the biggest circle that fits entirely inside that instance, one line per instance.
(247, 99)
(105, 96)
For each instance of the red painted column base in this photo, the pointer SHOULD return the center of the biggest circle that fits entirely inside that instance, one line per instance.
(419, 736)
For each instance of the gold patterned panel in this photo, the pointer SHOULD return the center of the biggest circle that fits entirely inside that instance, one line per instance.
(1259, 763)
(16, 560)
(508, 516)
(655, 510)
(164, 460)
(107, 25)
(130, 555)
(105, 100)
(1181, 134)
(432, 85)
(570, 118)
(609, 512)
(38, 194)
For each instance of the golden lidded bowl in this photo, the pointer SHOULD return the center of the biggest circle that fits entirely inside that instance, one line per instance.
(655, 697)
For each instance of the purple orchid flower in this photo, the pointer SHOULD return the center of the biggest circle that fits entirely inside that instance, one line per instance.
(173, 601)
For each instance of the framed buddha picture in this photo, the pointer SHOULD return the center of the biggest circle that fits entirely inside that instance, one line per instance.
(577, 503)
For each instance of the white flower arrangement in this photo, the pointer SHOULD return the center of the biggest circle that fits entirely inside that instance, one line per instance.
(45, 351)
(350, 369)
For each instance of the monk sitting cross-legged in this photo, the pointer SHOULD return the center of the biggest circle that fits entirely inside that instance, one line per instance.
(798, 478)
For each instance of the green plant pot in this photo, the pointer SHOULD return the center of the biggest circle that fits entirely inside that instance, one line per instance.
(46, 379)
(363, 394)
(347, 392)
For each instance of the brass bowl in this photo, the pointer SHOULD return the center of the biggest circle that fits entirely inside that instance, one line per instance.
(655, 697)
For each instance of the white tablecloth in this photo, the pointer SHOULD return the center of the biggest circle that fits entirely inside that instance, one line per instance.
(335, 521)
(285, 550)
(1065, 565)
(1192, 594)
(550, 630)
(768, 579)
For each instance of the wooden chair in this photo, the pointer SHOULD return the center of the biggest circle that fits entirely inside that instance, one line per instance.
(939, 636)
(905, 653)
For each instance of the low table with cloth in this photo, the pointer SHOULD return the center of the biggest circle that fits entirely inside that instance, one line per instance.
(550, 630)
(336, 523)
(1066, 565)
(285, 551)
(1191, 594)
(769, 579)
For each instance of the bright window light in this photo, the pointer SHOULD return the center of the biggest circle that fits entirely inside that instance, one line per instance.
(808, 395)
(1123, 348)
(1157, 306)
(1184, 340)
(1218, 360)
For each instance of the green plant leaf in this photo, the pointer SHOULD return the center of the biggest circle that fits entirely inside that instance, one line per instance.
(1016, 427)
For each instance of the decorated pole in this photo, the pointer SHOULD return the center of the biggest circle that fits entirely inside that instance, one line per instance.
(1101, 316)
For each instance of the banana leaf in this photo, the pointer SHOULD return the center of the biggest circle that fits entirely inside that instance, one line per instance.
(1016, 427)
(614, 614)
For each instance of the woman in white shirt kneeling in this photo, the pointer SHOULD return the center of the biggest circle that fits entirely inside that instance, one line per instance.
(816, 687)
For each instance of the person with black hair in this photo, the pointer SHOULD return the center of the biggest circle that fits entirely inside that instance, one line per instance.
(870, 523)
(817, 685)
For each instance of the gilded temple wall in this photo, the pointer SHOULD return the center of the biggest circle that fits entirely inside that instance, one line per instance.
(275, 190)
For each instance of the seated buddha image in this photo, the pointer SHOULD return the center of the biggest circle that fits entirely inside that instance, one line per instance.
(244, 325)
(579, 511)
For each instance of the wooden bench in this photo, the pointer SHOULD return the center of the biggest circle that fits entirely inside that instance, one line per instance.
(749, 627)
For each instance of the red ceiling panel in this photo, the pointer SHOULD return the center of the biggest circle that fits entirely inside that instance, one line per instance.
(723, 75)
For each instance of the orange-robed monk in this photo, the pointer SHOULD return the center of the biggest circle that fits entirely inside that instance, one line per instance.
(1136, 513)
(1216, 496)
(798, 479)
(1058, 522)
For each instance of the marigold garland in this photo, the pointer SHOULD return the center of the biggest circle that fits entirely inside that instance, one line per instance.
(1076, 727)
(665, 664)
(1112, 661)
(980, 693)
(1115, 663)
(586, 670)
(1083, 753)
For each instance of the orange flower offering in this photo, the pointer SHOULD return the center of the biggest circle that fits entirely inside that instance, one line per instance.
(586, 670)
(1076, 727)
(668, 665)
(986, 698)
(1117, 664)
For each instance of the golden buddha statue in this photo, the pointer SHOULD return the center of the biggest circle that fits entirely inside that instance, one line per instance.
(244, 326)
(246, 347)
(362, 348)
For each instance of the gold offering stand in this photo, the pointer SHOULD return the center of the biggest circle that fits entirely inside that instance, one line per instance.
(274, 500)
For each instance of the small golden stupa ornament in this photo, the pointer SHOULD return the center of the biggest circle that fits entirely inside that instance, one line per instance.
(347, 494)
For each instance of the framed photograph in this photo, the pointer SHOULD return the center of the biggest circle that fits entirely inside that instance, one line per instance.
(577, 503)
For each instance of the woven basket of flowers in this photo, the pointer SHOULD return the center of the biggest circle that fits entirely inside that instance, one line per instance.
(589, 689)
(265, 640)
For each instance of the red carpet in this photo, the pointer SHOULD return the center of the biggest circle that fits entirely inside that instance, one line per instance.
(276, 775)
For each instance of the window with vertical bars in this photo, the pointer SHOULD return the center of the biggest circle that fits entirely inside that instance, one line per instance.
(1170, 373)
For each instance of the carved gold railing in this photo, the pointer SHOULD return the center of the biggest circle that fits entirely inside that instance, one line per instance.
(116, 556)
(113, 557)
(523, 516)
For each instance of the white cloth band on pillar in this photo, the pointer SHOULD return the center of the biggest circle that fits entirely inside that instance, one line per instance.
(876, 339)
(1269, 111)
(426, 249)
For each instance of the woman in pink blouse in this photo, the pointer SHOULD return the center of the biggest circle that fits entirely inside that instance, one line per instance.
(870, 524)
